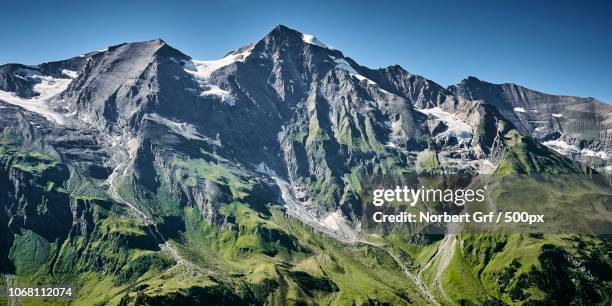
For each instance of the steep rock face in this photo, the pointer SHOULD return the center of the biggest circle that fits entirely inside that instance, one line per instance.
(118, 86)
(13, 78)
(55, 216)
(466, 134)
(313, 115)
(476, 132)
(303, 82)
(582, 128)
(77, 145)
(324, 117)
(423, 93)
(287, 107)
(30, 196)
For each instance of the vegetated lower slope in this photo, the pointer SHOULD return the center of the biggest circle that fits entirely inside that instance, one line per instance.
(250, 254)
(559, 263)
(138, 175)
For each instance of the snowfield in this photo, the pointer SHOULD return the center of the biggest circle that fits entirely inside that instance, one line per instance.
(561, 146)
(591, 153)
(565, 148)
(204, 69)
(201, 71)
(47, 88)
(456, 127)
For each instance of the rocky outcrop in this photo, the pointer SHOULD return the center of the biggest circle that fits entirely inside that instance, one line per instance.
(582, 123)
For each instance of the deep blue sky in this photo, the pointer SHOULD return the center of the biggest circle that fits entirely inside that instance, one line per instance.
(553, 46)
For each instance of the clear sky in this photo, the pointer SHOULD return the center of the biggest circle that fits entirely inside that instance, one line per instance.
(556, 47)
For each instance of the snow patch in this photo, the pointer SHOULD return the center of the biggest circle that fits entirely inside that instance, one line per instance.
(561, 146)
(591, 153)
(519, 109)
(47, 88)
(186, 130)
(456, 127)
(333, 221)
(557, 115)
(71, 73)
(391, 145)
(344, 65)
(565, 148)
(214, 90)
(310, 39)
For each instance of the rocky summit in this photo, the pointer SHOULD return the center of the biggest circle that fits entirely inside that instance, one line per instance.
(139, 175)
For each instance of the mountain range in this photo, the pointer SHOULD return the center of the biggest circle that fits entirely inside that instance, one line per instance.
(139, 175)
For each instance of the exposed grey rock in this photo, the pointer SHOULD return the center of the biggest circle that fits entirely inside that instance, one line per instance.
(281, 109)
(585, 123)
